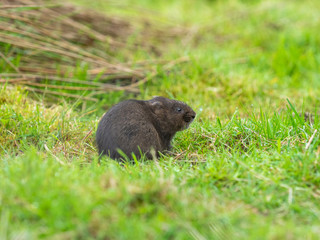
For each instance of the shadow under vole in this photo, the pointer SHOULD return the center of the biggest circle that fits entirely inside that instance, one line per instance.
(147, 125)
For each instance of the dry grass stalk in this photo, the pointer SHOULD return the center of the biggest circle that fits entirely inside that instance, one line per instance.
(44, 35)
(44, 91)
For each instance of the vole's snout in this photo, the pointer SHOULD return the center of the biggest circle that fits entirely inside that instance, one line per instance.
(189, 117)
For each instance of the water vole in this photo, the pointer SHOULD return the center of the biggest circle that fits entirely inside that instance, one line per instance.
(134, 124)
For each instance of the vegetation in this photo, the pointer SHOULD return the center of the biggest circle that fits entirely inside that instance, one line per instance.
(247, 168)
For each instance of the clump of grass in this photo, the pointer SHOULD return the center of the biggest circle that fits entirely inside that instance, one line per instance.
(263, 131)
(25, 122)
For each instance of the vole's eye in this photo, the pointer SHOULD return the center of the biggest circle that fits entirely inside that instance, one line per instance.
(179, 109)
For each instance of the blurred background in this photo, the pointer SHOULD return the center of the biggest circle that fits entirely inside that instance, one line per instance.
(220, 55)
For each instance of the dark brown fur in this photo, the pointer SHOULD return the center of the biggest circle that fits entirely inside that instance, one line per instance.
(147, 125)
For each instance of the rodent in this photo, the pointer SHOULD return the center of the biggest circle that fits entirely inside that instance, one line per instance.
(134, 124)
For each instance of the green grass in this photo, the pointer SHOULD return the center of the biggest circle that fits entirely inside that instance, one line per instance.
(247, 168)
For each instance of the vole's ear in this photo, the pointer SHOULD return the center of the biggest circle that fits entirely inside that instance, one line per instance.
(155, 105)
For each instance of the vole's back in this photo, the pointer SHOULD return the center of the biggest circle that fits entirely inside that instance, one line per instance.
(127, 126)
